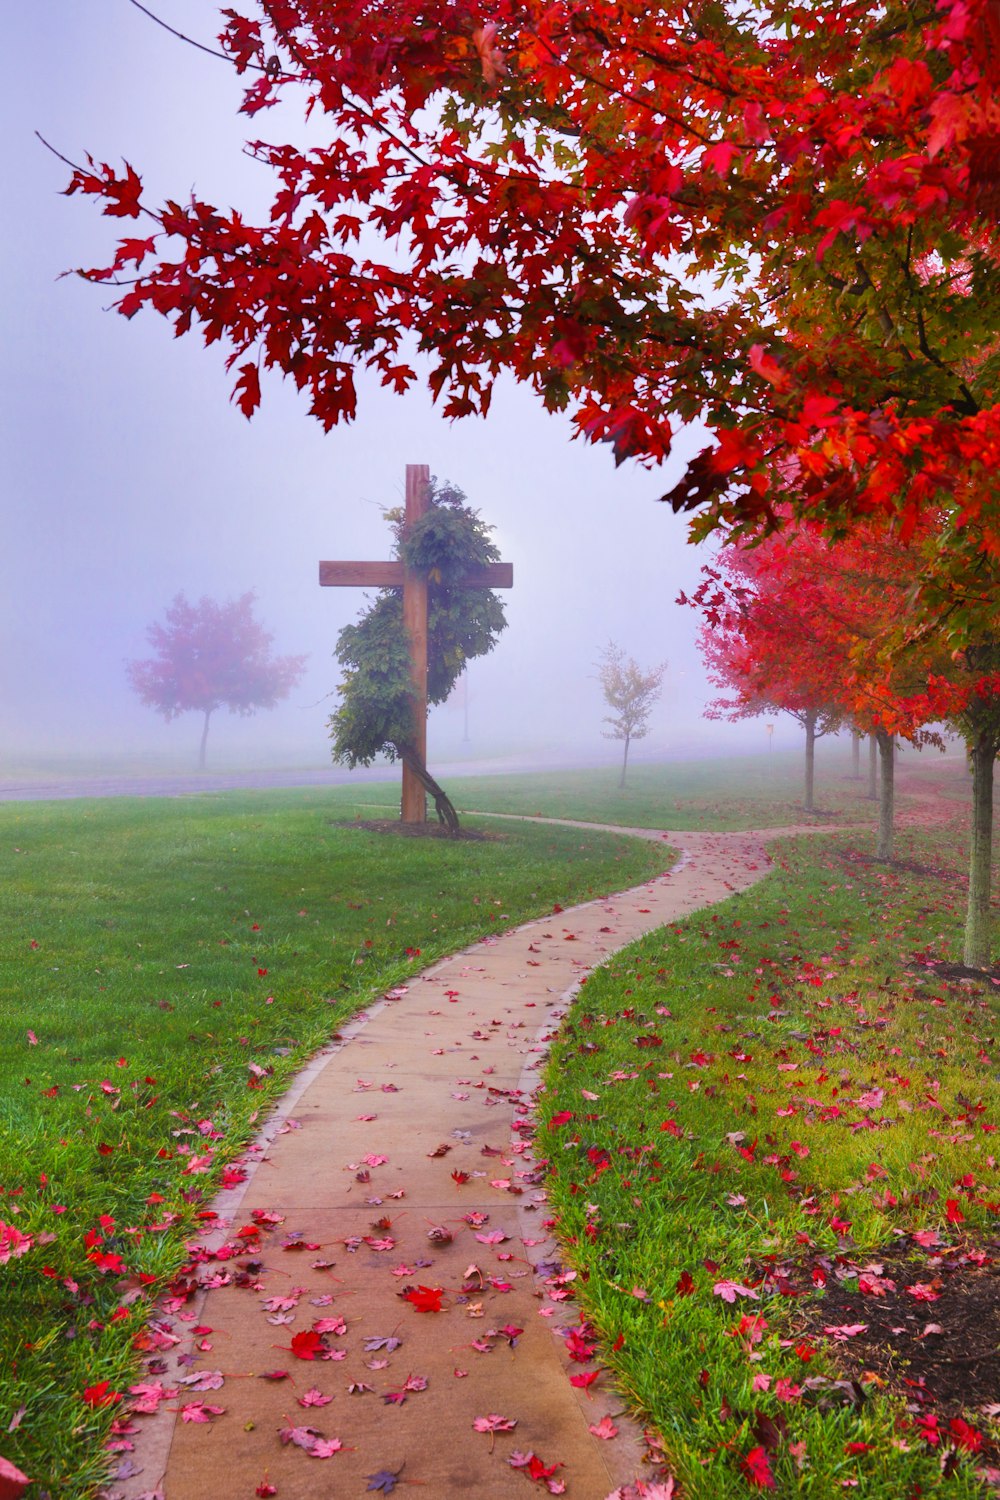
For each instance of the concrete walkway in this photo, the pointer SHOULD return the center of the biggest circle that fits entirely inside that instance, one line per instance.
(400, 1160)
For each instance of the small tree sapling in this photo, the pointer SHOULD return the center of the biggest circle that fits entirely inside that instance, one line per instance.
(630, 693)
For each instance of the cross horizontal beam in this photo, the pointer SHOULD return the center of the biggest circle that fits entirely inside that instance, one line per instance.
(389, 575)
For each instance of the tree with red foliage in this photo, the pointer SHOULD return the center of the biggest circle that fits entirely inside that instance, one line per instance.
(797, 615)
(558, 184)
(211, 655)
(799, 625)
(761, 646)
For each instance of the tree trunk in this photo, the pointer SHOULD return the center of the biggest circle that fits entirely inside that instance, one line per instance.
(886, 801)
(978, 923)
(621, 781)
(855, 755)
(810, 723)
(443, 806)
(872, 769)
(204, 740)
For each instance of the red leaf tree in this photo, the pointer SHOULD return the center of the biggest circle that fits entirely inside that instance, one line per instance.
(798, 621)
(765, 648)
(797, 625)
(212, 655)
(536, 191)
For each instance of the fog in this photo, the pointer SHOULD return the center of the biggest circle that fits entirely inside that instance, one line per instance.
(130, 477)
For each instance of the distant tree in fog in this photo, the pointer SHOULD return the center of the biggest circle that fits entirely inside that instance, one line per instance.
(630, 694)
(208, 656)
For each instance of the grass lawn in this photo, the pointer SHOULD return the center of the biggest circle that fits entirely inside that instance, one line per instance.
(773, 1135)
(166, 966)
(762, 791)
(768, 1121)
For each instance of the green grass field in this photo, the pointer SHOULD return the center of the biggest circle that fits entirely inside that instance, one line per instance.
(770, 1120)
(770, 1096)
(764, 791)
(167, 965)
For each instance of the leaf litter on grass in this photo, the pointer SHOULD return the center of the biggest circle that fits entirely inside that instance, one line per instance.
(767, 1112)
(156, 1007)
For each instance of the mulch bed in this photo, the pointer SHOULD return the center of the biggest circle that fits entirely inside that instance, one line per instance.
(939, 969)
(905, 866)
(942, 1356)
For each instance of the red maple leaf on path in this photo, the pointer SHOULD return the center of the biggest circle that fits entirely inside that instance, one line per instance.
(493, 1424)
(325, 1447)
(200, 1411)
(537, 1469)
(300, 1437)
(308, 1345)
(578, 1347)
(313, 1397)
(424, 1298)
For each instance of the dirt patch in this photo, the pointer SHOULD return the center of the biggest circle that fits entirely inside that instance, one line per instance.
(904, 866)
(417, 830)
(926, 1326)
(951, 972)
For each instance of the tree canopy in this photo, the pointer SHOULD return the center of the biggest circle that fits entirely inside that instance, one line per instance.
(797, 624)
(778, 219)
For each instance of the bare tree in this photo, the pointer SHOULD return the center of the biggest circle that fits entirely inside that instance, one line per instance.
(630, 694)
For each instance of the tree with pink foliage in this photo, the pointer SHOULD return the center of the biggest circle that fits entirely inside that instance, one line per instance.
(212, 655)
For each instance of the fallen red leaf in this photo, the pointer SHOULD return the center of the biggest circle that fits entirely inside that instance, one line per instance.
(424, 1298)
(101, 1394)
(756, 1469)
(307, 1345)
(12, 1482)
(965, 1436)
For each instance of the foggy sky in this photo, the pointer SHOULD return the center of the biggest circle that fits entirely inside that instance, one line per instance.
(129, 476)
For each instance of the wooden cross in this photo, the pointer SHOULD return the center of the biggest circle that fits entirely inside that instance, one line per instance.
(393, 575)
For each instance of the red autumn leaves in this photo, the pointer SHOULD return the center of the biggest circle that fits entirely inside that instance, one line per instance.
(824, 142)
(424, 1298)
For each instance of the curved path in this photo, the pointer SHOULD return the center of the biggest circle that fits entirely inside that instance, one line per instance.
(402, 1159)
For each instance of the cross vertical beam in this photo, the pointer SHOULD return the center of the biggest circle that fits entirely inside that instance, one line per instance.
(414, 798)
(393, 575)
